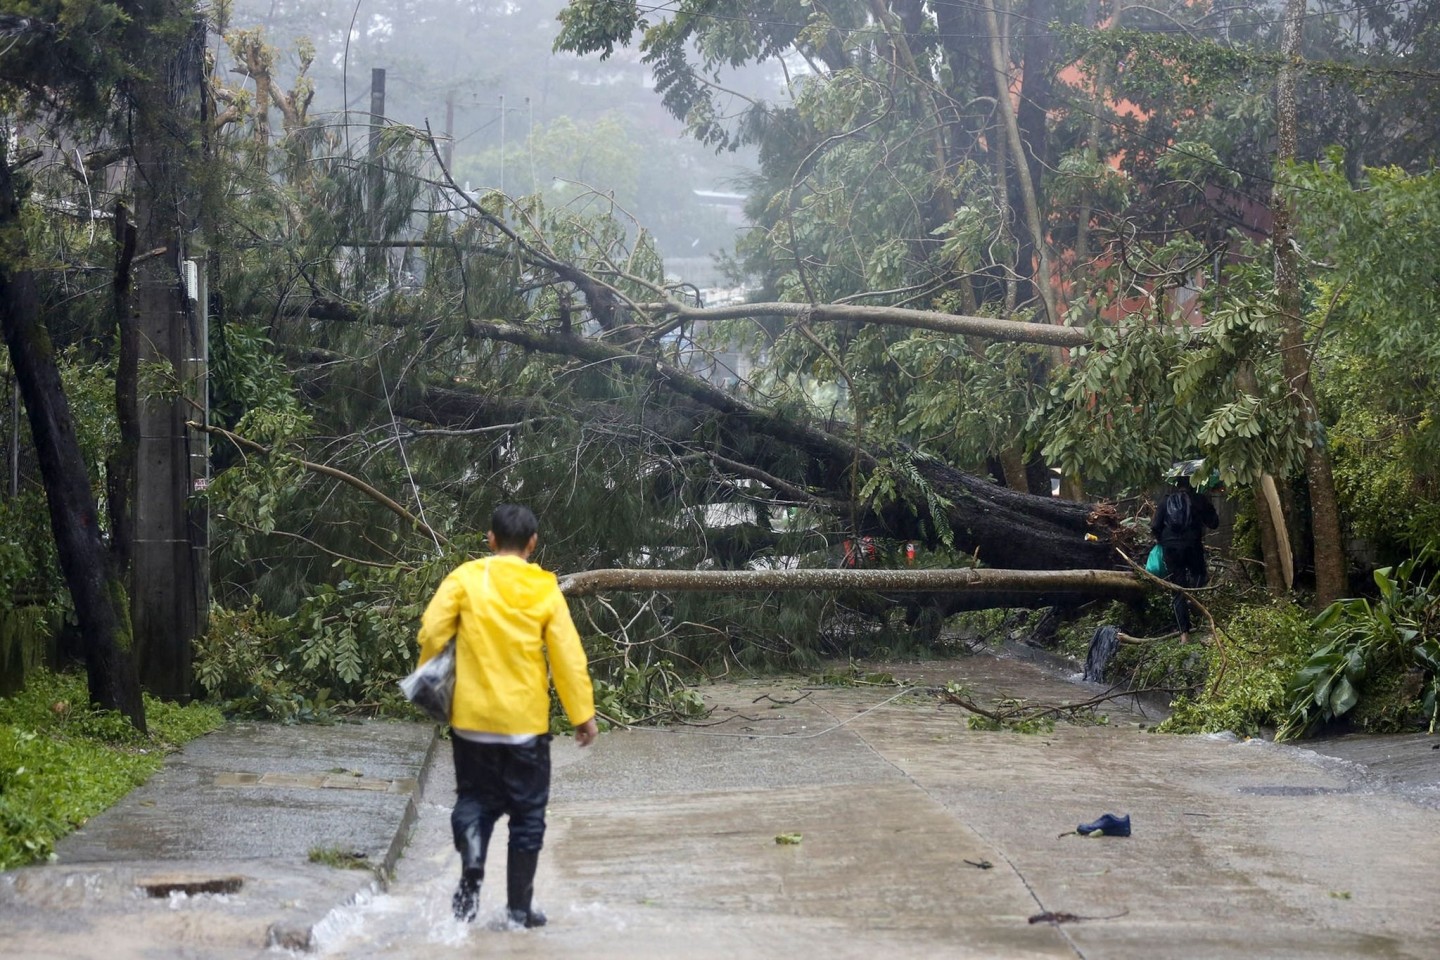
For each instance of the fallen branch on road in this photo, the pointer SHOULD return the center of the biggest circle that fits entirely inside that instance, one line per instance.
(1048, 917)
(1018, 715)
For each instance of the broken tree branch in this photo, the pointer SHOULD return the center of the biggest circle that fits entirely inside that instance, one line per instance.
(328, 471)
(1091, 582)
(985, 328)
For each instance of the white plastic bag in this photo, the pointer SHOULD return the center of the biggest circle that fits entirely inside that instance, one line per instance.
(432, 686)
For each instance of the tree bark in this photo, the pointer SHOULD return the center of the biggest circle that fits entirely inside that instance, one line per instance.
(1012, 465)
(1028, 193)
(1329, 550)
(1114, 583)
(120, 467)
(74, 520)
(984, 328)
(1032, 119)
(1092, 141)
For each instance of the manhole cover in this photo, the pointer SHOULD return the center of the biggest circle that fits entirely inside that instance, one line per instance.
(161, 887)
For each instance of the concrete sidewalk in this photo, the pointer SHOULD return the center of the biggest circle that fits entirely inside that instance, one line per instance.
(215, 849)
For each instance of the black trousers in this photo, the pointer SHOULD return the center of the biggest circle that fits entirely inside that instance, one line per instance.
(1186, 565)
(494, 780)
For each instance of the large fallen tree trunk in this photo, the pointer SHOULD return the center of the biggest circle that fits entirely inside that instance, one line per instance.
(795, 456)
(1000, 527)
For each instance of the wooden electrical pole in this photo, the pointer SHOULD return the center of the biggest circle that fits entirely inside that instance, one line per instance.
(168, 605)
(449, 151)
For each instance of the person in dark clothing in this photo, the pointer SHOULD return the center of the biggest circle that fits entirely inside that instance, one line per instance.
(1179, 527)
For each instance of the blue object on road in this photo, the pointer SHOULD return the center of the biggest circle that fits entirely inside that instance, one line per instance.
(1108, 825)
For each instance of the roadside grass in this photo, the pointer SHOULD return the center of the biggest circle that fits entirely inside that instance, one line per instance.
(340, 858)
(62, 761)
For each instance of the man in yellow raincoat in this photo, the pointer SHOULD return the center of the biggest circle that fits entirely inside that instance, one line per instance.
(508, 618)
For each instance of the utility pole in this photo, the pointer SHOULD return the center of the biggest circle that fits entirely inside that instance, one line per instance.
(377, 108)
(375, 257)
(449, 153)
(168, 602)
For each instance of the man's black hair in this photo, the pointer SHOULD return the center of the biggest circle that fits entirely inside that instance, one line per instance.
(513, 526)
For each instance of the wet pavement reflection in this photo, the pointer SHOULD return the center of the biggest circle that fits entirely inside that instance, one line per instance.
(664, 843)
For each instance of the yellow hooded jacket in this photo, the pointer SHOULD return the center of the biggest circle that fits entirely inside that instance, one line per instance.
(507, 616)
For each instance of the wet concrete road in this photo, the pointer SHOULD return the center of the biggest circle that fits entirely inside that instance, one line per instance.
(662, 843)
(209, 859)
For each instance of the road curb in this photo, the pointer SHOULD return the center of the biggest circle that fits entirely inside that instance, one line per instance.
(300, 937)
(411, 814)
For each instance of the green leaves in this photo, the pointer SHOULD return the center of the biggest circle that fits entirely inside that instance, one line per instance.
(590, 26)
(896, 481)
(1365, 642)
(62, 760)
(1377, 305)
(638, 693)
(345, 644)
(1198, 162)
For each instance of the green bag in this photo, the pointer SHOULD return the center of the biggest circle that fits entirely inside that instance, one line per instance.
(1155, 563)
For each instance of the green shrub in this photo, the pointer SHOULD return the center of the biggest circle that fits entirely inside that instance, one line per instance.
(1247, 672)
(62, 760)
(240, 661)
(1369, 650)
(344, 647)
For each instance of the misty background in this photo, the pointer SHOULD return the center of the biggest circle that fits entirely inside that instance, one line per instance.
(523, 119)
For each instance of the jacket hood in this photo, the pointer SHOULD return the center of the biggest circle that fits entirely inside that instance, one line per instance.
(517, 583)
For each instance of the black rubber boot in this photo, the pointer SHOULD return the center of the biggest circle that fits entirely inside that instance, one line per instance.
(466, 901)
(520, 883)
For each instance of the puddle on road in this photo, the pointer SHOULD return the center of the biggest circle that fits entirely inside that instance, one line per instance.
(380, 920)
(1286, 790)
(418, 922)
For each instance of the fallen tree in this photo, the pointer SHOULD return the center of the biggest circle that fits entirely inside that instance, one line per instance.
(794, 456)
(1049, 584)
(553, 364)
